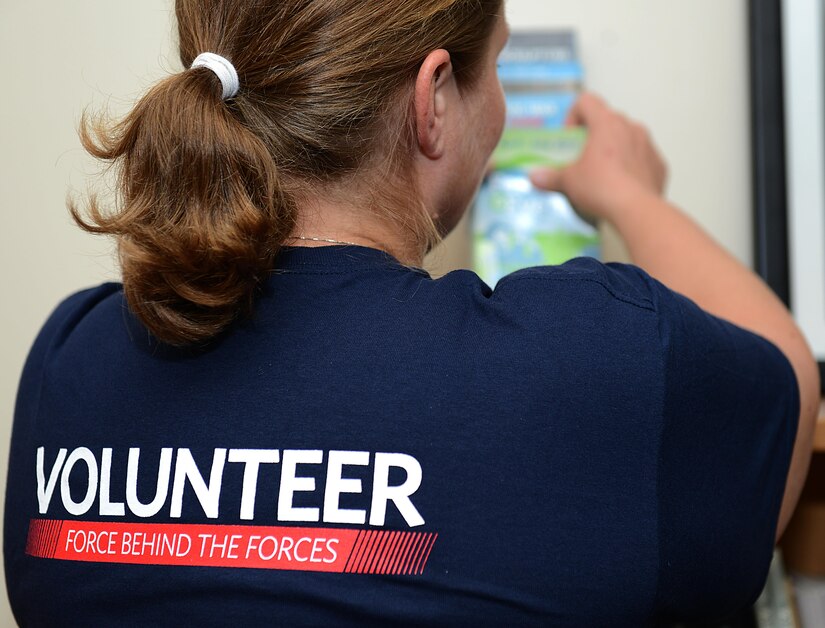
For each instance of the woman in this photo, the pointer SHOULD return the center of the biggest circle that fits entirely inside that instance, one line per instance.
(278, 418)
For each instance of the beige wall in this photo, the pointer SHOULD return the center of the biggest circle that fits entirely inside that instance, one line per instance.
(681, 68)
(678, 66)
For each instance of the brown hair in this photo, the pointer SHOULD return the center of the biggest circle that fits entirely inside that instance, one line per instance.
(208, 190)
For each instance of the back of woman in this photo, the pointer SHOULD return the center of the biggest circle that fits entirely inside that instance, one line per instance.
(279, 418)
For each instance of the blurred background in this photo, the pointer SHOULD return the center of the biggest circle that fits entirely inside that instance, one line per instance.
(680, 67)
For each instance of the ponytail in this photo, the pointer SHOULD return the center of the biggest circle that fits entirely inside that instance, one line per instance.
(208, 188)
(202, 211)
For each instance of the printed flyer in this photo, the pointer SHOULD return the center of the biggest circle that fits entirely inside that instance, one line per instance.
(514, 224)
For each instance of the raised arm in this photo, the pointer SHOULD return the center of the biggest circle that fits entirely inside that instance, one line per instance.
(620, 178)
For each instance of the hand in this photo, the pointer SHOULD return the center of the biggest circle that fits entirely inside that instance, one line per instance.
(619, 162)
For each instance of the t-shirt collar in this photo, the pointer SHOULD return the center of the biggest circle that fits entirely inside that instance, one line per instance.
(338, 258)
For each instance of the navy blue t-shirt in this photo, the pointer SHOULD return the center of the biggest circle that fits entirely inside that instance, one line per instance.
(579, 447)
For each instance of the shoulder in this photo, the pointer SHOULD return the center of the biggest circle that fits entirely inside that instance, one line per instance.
(56, 332)
(612, 281)
(580, 293)
(581, 285)
(69, 315)
(584, 308)
(73, 311)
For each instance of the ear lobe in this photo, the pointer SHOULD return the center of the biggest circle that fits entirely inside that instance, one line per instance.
(431, 102)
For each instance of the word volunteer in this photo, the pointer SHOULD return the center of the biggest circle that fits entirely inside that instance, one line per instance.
(82, 465)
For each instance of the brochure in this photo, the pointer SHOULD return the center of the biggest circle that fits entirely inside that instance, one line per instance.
(514, 224)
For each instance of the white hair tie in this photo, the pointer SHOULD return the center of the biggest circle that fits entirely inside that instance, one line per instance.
(223, 68)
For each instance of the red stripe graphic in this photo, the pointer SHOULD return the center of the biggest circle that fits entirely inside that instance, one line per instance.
(411, 550)
(425, 554)
(376, 552)
(358, 542)
(401, 553)
(382, 564)
(370, 549)
(402, 538)
(43, 537)
(382, 559)
(365, 549)
(334, 550)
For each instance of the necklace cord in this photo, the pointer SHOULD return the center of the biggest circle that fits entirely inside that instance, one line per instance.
(330, 240)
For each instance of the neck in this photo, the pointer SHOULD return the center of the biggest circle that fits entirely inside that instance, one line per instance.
(326, 223)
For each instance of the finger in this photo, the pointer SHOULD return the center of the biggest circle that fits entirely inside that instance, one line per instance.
(574, 116)
(548, 179)
(572, 119)
(589, 110)
(663, 174)
(641, 135)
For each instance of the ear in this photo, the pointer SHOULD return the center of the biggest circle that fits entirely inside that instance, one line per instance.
(431, 102)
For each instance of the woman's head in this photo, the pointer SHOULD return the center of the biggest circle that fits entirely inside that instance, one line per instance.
(210, 190)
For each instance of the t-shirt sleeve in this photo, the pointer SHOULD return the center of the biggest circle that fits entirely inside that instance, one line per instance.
(57, 328)
(730, 414)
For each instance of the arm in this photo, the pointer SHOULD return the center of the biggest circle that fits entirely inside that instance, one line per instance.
(620, 178)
